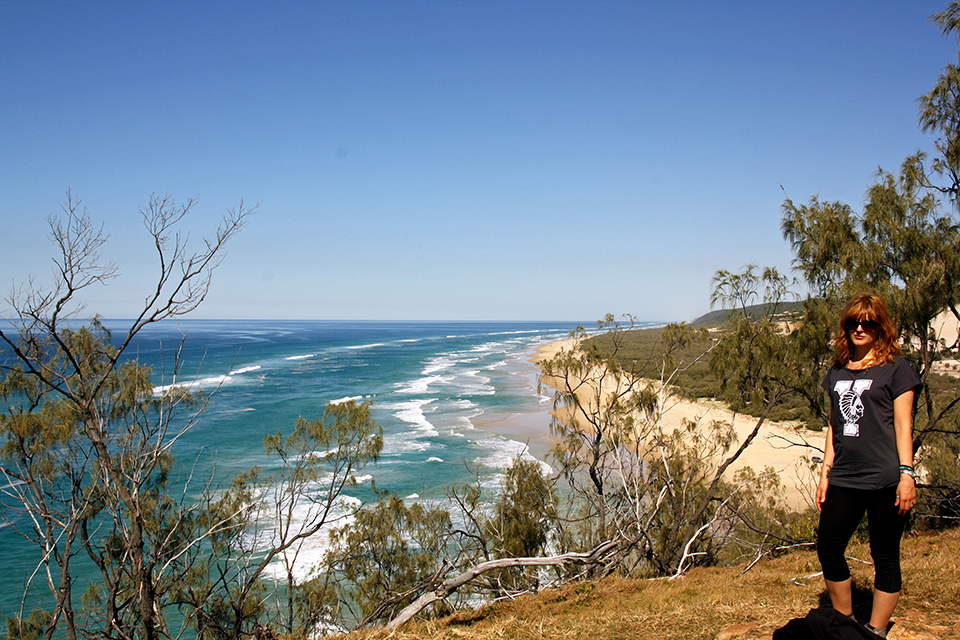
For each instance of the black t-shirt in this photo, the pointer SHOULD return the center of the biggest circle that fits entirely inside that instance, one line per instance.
(864, 440)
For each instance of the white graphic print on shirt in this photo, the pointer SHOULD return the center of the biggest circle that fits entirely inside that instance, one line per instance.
(851, 406)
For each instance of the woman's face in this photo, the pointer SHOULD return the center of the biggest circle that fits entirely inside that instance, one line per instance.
(862, 332)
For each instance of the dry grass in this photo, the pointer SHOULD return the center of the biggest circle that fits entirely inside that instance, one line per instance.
(712, 602)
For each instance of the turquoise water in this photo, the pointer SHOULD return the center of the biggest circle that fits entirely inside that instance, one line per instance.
(450, 397)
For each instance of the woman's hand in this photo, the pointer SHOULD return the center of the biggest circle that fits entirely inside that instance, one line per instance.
(826, 465)
(903, 428)
(821, 494)
(906, 494)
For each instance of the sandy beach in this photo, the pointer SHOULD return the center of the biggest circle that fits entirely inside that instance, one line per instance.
(771, 448)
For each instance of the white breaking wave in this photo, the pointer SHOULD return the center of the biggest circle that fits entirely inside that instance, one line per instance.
(397, 443)
(206, 383)
(368, 346)
(440, 363)
(421, 385)
(200, 383)
(237, 372)
(412, 413)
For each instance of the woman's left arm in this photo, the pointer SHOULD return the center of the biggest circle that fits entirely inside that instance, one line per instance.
(903, 427)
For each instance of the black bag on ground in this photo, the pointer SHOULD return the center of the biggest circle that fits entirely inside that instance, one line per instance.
(824, 624)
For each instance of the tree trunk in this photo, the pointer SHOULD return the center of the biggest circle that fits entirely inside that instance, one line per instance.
(450, 585)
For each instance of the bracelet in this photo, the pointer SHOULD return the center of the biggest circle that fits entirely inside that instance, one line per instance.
(907, 469)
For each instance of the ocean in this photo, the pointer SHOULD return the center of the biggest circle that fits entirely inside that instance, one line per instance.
(454, 399)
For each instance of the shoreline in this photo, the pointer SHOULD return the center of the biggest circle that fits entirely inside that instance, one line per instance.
(532, 428)
(770, 448)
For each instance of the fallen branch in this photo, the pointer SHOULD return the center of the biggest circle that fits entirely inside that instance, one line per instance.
(451, 585)
(772, 550)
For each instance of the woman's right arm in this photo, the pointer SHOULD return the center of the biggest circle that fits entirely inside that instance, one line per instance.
(828, 454)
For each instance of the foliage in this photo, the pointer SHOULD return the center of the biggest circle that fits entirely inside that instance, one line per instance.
(764, 359)
(518, 525)
(86, 442)
(767, 524)
(628, 477)
(396, 551)
(522, 522)
(272, 520)
(386, 553)
(940, 497)
(639, 352)
(87, 448)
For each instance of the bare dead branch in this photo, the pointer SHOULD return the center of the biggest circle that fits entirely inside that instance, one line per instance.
(451, 585)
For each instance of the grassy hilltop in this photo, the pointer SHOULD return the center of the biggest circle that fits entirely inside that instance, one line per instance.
(710, 603)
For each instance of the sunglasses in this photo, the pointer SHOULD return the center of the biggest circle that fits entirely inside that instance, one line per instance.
(851, 324)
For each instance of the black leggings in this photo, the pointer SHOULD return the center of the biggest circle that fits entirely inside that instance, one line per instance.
(841, 513)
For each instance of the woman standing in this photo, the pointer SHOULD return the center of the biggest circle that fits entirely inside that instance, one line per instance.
(868, 457)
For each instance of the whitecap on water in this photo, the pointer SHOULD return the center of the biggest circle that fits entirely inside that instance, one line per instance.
(237, 372)
(201, 383)
(411, 412)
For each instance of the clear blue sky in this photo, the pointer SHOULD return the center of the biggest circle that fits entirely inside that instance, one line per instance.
(450, 159)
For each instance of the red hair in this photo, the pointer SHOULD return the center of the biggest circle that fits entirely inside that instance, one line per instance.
(866, 306)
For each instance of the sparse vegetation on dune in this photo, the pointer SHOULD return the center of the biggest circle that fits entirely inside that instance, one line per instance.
(639, 350)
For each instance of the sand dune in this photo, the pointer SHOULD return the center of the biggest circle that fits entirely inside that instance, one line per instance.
(771, 448)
